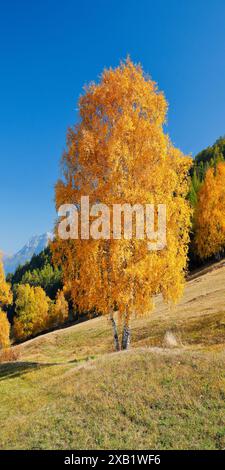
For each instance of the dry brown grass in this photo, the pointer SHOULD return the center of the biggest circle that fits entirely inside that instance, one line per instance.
(9, 355)
(197, 320)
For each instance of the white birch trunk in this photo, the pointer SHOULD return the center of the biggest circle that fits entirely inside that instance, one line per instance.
(115, 333)
(126, 336)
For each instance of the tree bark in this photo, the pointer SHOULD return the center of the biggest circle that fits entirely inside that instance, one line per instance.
(126, 336)
(115, 333)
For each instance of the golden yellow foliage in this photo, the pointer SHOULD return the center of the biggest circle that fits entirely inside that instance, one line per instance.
(32, 306)
(4, 330)
(210, 213)
(5, 299)
(118, 153)
(5, 288)
(58, 311)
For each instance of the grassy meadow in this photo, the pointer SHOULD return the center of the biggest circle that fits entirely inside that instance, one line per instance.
(69, 390)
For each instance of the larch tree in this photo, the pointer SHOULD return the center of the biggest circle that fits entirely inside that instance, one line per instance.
(118, 153)
(31, 308)
(5, 299)
(210, 213)
(59, 310)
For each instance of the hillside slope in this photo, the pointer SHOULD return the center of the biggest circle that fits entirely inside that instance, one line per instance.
(69, 390)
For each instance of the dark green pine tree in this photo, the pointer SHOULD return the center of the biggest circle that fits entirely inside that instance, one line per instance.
(194, 188)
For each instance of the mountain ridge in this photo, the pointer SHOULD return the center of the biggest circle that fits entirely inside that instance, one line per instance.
(34, 246)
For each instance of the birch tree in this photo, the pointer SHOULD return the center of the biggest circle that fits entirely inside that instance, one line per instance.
(118, 153)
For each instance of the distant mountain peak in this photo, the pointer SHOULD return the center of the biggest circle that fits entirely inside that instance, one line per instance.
(34, 246)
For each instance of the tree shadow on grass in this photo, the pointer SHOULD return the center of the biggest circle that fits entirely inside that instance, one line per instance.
(19, 368)
(16, 369)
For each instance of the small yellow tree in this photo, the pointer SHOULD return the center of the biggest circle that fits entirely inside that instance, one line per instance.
(118, 153)
(32, 306)
(58, 311)
(4, 330)
(5, 299)
(210, 213)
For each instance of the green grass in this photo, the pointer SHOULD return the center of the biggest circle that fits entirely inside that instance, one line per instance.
(138, 399)
(68, 390)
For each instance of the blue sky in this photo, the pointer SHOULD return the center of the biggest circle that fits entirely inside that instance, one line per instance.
(50, 49)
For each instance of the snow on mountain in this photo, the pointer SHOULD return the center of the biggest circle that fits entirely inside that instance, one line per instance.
(34, 246)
